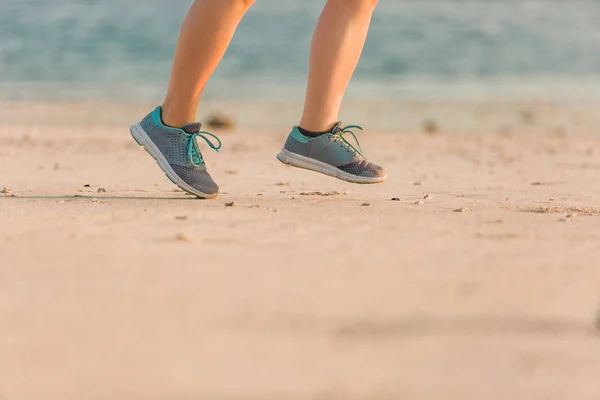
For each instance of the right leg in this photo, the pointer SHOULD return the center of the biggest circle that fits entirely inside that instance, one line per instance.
(168, 133)
(205, 35)
(321, 143)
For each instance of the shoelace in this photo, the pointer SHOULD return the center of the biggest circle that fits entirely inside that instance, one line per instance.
(339, 134)
(194, 154)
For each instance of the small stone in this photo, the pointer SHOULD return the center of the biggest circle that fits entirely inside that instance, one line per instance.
(366, 204)
(183, 237)
(504, 130)
(419, 183)
(431, 127)
(419, 202)
(231, 204)
(571, 216)
(271, 209)
(219, 121)
(6, 190)
(59, 201)
(538, 184)
(102, 190)
(86, 185)
(527, 116)
(461, 210)
(95, 200)
(395, 199)
(181, 217)
(428, 197)
(282, 184)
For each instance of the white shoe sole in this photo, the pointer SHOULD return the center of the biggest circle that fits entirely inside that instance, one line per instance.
(296, 160)
(142, 138)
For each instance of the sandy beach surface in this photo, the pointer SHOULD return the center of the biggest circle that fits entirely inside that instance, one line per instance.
(481, 281)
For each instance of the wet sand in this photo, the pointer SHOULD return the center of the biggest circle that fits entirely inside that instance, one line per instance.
(481, 281)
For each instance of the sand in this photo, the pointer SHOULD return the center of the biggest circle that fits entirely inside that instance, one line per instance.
(481, 281)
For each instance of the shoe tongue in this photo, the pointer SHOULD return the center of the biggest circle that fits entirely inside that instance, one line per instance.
(337, 128)
(192, 128)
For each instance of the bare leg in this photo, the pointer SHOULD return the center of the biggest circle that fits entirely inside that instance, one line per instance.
(336, 47)
(205, 35)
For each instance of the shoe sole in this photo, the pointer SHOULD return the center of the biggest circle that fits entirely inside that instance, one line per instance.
(142, 138)
(296, 160)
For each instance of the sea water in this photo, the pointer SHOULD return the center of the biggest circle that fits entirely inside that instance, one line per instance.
(56, 49)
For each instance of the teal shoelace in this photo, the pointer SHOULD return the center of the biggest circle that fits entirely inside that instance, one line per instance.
(339, 135)
(194, 154)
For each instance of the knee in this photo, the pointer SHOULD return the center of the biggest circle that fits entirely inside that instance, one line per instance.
(359, 5)
(238, 3)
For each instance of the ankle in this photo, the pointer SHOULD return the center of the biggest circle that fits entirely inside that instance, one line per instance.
(321, 127)
(172, 115)
(313, 134)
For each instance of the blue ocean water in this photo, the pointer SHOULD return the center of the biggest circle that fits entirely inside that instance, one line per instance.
(123, 48)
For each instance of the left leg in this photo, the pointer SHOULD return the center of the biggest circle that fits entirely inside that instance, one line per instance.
(336, 47)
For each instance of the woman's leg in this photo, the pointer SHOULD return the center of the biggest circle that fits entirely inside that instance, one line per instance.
(205, 35)
(336, 47)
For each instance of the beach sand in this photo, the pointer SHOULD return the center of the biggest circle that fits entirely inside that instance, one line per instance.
(482, 281)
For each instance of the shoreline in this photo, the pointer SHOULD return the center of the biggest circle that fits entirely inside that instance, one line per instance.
(557, 88)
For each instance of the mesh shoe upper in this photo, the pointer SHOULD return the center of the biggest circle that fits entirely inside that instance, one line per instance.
(196, 177)
(180, 149)
(363, 168)
(333, 149)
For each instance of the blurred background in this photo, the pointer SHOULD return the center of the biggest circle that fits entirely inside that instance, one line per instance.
(122, 49)
(480, 279)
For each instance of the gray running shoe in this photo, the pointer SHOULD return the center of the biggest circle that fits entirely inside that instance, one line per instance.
(331, 154)
(177, 152)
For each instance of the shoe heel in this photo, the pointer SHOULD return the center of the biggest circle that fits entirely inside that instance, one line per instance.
(281, 156)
